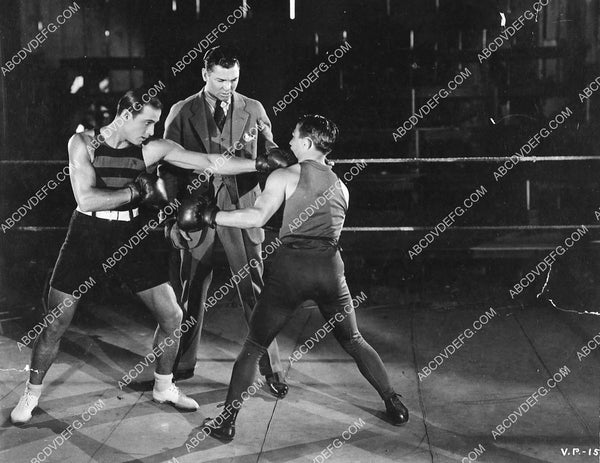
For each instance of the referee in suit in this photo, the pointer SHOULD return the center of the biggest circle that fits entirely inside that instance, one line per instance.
(212, 121)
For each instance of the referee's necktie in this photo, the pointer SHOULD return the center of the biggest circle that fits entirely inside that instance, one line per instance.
(219, 115)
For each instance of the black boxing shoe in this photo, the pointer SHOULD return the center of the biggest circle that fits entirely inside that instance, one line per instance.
(396, 411)
(225, 431)
(276, 385)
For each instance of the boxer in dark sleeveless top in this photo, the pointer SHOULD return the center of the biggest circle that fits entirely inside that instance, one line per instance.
(307, 266)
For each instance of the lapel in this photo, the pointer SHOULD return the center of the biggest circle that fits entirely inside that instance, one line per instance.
(239, 117)
(198, 121)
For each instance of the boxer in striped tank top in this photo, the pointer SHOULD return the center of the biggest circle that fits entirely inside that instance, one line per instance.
(107, 236)
(307, 266)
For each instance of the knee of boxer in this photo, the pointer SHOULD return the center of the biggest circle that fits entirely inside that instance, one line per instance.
(170, 318)
(352, 344)
(252, 348)
(53, 332)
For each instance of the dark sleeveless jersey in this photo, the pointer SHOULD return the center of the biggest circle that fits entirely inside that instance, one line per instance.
(317, 208)
(115, 168)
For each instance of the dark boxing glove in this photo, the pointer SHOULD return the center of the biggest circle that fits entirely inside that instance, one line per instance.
(196, 214)
(148, 189)
(170, 176)
(275, 158)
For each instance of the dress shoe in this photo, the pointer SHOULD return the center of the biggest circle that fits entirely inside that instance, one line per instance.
(396, 411)
(276, 385)
(180, 375)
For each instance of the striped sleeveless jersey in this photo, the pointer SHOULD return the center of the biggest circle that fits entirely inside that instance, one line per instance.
(115, 168)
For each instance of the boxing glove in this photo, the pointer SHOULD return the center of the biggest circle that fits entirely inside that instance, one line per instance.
(170, 176)
(275, 158)
(196, 214)
(150, 190)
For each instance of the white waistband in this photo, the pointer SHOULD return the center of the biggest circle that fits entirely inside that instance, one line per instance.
(123, 216)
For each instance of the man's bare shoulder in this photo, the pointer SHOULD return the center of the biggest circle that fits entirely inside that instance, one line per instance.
(80, 139)
(288, 173)
(284, 180)
(159, 146)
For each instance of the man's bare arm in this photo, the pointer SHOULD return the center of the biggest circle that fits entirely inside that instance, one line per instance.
(83, 180)
(267, 203)
(173, 124)
(173, 153)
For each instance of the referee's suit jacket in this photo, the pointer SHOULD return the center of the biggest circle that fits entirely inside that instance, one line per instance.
(191, 271)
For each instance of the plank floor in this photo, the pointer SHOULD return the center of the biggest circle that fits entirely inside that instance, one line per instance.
(454, 409)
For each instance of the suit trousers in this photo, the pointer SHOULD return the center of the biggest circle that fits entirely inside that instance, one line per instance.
(191, 276)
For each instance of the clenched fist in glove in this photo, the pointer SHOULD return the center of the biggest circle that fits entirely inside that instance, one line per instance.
(275, 158)
(150, 190)
(196, 214)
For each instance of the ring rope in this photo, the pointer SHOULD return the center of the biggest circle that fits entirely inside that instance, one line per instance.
(399, 229)
(491, 159)
(468, 228)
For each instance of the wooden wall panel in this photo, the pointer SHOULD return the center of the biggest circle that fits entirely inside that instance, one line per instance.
(52, 47)
(134, 23)
(95, 22)
(119, 27)
(30, 14)
(72, 44)
(590, 19)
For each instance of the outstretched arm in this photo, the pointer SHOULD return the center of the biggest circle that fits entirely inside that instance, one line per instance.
(173, 153)
(173, 124)
(266, 205)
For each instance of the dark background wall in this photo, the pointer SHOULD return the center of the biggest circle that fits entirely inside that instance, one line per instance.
(368, 91)
(507, 99)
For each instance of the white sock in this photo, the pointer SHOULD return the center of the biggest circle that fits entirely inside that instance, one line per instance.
(35, 389)
(162, 382)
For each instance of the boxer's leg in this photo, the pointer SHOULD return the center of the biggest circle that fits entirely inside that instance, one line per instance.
(270, 315)
(336, 303)
(162, 303)
(347, 334)
(80, 254)
(43, 354)
(46, 345)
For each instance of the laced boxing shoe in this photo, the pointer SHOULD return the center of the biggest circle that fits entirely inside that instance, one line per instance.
(21, 414)
(174, 396)
(396, 411)
(222, 427)
(277, 386)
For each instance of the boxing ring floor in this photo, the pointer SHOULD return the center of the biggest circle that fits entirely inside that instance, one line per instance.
(453, 410)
